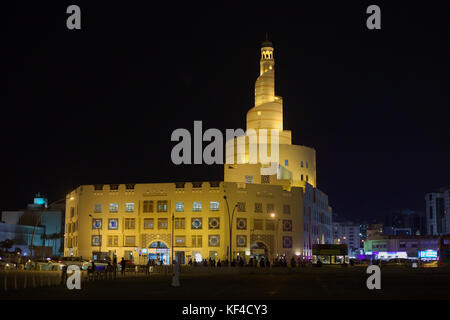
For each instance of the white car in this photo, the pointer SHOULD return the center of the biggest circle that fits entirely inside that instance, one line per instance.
(5, 265)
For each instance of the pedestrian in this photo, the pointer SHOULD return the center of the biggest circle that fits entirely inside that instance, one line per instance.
(219, 264)
(115, 266)
(293, 262)
(64, 275)
(267, 263)
(122, 265)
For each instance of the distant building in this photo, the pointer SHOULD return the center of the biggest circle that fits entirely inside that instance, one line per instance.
(404, 222)
(373, 230)
(49, 232)
(390, 247)
(348, 233)
(437, 206)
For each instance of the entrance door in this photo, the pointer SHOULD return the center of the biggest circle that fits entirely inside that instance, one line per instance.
(179, 257)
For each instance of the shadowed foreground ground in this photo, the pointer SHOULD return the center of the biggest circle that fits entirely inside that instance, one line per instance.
(309, 283)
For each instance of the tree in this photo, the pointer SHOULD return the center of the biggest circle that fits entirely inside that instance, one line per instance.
(6, 244)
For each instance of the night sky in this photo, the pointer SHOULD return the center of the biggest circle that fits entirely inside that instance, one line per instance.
(99, 105)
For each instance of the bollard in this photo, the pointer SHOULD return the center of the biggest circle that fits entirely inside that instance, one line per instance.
(34, 281)
(15, 281)
(48, 281)
(25, 281)
(5, 283)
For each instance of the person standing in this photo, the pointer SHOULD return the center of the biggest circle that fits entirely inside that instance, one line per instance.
(122, 265)
(115, 266)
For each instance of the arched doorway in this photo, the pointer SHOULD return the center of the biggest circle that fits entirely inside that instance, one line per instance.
(259, 250)
(159, 252)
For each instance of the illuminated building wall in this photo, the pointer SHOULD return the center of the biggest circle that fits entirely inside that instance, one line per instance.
(129, 218)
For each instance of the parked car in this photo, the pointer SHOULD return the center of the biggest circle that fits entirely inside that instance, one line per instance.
(397, 262)
(5, 265)
(99, 265)
(430, 264)
(67, 261)
(43, 264)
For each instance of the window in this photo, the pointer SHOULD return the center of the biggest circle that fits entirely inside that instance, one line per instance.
(287, 242)
(130, 241)
(97, 208)
(162, 206)
(270, 208)
(180, 241)
(287, 225)
(265, 179)
(301, 164)
(301, 177)
(149, 223)
(179, 206)
(270, 225)
(129, 207)
(113, 241)
(306, 164)
(96, 241)
(257, 224)
(196, 206)
(214, 206)
(72, 212)
(129, 223)
(241, 240)
(249, 179)
(286, 162)
(241, 223)
(113, 187)
(96, 224)
(241, 206)
(306, 178)
(162, 223)
(129, 186)
(286, 209)
(148, 206)
(196, 242)
(258, 207)
(113, 207)
(180, 223)
(197, 184)
(214, 240)
(179, 185)
(98, 187)
(196, 223)
(113, 224)
(214, 223)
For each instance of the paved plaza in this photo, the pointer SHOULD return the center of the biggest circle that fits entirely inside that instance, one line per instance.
(307, 283)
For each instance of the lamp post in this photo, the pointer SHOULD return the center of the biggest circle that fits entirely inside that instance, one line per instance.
(38, 220)
(173, 243)
(100, 241)
(230, 223)
(273, 215)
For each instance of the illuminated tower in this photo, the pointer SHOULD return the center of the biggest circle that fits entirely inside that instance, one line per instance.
(297, 164)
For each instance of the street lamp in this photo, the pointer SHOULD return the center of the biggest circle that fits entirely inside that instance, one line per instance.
(230, 223)
(38, 220)
(173, 244)
(273, 216)
(100, 242)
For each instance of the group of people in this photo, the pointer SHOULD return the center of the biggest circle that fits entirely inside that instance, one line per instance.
(252, 262)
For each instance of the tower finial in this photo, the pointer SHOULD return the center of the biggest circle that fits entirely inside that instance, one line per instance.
(267, 42)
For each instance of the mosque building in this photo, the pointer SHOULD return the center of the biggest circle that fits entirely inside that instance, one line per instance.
(249, 214)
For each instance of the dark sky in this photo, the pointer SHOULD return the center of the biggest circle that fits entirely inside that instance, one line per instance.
(99, 105)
